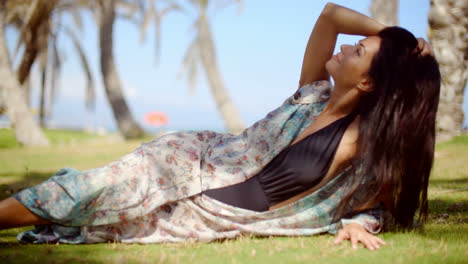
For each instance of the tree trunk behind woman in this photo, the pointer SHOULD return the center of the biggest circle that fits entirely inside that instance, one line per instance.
(448, 31)
(229, 113)
(385, 11)
(126, 124)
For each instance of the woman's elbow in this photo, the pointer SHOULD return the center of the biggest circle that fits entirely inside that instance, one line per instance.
(328, 9)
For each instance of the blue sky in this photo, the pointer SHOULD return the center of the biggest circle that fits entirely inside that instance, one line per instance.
(259, 51)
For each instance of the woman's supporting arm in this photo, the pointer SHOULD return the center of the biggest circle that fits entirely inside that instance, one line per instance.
(333, 20)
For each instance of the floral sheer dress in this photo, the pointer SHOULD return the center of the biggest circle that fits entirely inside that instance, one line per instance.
(155, 193)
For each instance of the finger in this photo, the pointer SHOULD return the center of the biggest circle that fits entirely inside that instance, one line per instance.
(354, 241)
(375, 245)
(423, 47)
(429, 49)
(425, 51)
(342, 235)
(380, 241)
(420, 42)
(368, 243)
(374, 241)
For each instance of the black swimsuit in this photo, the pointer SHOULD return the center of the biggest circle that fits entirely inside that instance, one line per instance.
(294, 170)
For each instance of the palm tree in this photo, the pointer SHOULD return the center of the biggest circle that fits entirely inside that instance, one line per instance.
(202, 52)
(105, 13)
(385, 11)
(448, 34)
(39, 36)
(26, 130)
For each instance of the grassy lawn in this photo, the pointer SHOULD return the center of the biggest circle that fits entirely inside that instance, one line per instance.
(443, 240)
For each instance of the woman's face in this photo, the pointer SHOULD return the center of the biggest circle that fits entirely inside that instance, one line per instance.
(350, 67)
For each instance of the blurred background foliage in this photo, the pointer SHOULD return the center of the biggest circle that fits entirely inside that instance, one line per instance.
(41, 24)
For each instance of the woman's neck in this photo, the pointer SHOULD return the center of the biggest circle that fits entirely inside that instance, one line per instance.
(342, 101)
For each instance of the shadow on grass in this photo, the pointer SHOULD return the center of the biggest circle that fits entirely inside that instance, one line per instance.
(445, 232)
(449, 183)
(27, 179)
(448, 212)
(439, 206)
(52, 253)
(8, 233)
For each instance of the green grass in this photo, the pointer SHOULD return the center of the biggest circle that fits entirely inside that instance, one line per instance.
(443, 240)
(56, 136)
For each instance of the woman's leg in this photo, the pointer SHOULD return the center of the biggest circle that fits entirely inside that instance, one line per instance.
(15, 214)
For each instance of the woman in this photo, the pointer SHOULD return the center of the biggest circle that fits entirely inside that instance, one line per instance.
(324, 161)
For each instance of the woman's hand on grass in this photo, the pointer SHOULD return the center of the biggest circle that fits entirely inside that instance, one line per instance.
(356, 233)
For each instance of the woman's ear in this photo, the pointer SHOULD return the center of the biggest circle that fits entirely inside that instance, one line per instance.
(365, 85)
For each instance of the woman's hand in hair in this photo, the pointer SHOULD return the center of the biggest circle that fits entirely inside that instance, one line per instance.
(356, 233)
(424, 47)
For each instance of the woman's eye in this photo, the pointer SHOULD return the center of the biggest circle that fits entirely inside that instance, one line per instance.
(357, 50)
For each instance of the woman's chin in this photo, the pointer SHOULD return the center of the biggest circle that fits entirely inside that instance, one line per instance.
(329, 66)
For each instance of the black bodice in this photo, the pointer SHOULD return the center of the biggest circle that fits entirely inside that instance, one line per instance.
(294, 170)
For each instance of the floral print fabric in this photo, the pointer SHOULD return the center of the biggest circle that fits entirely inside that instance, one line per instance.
(153, 195)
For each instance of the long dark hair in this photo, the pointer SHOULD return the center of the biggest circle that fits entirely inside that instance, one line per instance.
(397, 130)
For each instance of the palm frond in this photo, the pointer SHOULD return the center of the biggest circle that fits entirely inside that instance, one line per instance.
(76, 16)
(16, 12)
(221, 4)
(55, 69)
(157, 26)
(127, 11)
(127, 7)
(153, 14)
(43, 58)
(147, 18)
(190, 64)
(90, 88)
(23, 31)
(33, 33)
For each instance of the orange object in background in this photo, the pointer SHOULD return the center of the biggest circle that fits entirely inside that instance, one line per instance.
(156, 119)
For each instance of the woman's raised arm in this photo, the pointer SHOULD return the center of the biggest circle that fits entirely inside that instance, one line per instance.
(333, 20)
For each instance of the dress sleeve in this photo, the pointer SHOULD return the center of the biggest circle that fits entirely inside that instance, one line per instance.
(371, 220)
(313, 92)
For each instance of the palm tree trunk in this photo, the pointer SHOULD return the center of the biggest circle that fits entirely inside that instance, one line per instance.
(127, 125)
(385, 11)
(448, 31)
(26, 130)
(230, 115)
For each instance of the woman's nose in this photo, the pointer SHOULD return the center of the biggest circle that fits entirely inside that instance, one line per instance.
(344, 47)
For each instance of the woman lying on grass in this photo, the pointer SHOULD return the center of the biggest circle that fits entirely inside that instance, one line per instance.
(327, 160)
